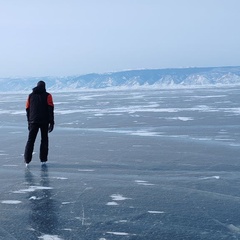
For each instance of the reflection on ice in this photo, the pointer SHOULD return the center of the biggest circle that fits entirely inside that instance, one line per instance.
(42, 216)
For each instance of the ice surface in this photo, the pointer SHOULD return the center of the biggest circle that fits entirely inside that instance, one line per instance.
(159, 164)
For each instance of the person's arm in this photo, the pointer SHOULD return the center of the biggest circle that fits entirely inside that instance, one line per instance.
(50, 112)
(27, 110)
(27, 107)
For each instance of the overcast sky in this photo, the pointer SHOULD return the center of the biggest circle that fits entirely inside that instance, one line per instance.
(69, 37)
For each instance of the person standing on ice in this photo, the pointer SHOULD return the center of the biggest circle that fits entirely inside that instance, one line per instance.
(40, 115)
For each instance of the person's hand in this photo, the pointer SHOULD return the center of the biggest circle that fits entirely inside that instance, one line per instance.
(50, 127)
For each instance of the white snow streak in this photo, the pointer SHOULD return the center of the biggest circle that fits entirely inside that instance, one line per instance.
(10, 202)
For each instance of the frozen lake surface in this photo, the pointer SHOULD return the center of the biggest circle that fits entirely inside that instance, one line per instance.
(139, 165)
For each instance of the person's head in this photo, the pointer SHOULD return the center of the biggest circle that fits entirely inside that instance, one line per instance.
(41, 84)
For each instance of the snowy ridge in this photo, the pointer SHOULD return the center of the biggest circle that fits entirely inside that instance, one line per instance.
(146, 78)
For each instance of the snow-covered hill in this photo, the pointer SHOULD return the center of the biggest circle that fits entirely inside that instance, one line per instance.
(146, 78)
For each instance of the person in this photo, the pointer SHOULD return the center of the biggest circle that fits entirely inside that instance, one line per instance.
(40, 115)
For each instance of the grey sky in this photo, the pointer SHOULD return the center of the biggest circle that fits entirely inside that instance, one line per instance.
(68, 37)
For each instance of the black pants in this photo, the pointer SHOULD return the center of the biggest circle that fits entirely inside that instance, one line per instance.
(33, 131)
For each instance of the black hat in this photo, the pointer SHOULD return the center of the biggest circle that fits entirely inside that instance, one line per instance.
(41, 84)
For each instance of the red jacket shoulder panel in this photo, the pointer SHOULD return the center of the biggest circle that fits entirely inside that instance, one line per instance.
(50, 100)
(27, 103)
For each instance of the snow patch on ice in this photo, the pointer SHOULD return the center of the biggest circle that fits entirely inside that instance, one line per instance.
(140, 181)
(234, 228)
(9, 165)
(112, 204)
(67, 229)
(118, 197)
(10, 202)
(184, 119)
(211, 177)
(147, 184)
(156, 212)
(34, 198)
(234, 144)
(121, 221)
(120, 233)
(65, 203)
(50, 237)
(60, 178)
(202, 138)
(144, 133)
(86, 170)
(144, 183)
(64, 112)
(32, 189)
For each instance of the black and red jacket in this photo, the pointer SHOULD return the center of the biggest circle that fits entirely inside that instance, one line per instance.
(39, 106)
